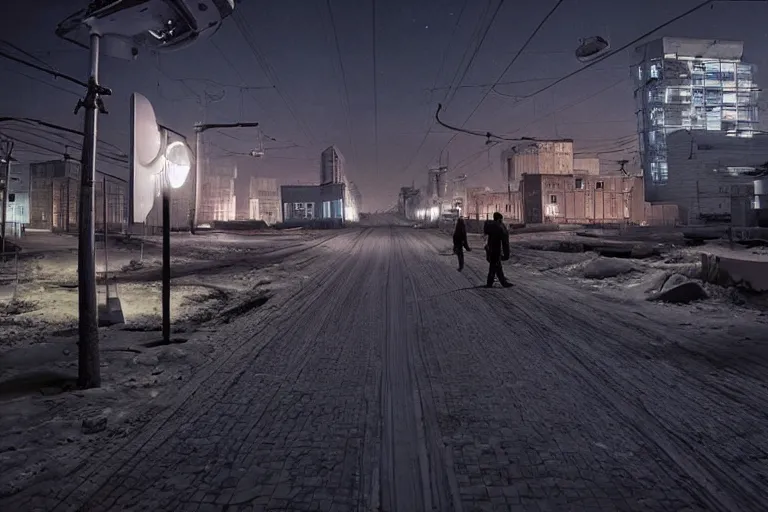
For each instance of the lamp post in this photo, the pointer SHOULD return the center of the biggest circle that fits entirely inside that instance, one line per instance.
(199, 129)
(7, 149)
(176, 169)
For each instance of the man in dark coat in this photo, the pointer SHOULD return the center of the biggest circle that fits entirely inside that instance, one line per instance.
(496, 250)
(460, 242)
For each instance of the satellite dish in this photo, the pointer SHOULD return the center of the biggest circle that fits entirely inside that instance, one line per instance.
(160, 25)
(591, 48)
(146, 158)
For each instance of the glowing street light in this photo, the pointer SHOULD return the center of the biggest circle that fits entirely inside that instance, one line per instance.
(178, 164)
(123, 27)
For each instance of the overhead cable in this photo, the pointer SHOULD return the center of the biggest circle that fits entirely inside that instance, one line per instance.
(345, 86)
(51, 72)
(487, 135)
(504, 72)
(434, 83)
(620, 49)
(375, 86)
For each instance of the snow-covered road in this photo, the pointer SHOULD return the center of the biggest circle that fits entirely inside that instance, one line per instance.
(389, 381)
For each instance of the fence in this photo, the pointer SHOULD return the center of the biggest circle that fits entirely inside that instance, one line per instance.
(54, 204)
(9, 275)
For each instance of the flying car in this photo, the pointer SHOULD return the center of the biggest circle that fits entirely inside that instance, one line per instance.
(130, 25)
(591, 48)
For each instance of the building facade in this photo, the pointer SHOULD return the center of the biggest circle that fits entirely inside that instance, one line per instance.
(264, 200)
(332, 165)
(314, 205)
(539, 157)
(355, 196)
(218, 201)
(714, 175)
(689, 84)
(54, 196)
(570, 199)
(17, 209)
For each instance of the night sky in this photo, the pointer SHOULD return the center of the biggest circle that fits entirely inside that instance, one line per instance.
(297, 40)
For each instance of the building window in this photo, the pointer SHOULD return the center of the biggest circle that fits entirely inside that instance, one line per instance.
(553, 199)
(579, 185)
(738, 171)
(507, 208)
(600, 185)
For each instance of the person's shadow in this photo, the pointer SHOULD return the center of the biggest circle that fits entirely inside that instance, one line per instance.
(481, 286)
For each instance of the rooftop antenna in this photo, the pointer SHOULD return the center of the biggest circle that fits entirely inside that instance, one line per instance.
(622, 163)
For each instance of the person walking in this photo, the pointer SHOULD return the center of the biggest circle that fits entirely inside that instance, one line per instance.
(460, 242)
(496, 250)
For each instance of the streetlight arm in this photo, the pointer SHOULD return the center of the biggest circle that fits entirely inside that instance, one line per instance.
(200, 127)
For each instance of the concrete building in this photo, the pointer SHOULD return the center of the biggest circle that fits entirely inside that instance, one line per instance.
(537, 157)
(570, 198)
(689, 84)
(355, 196)
(589, 166)
(17, 209)
(319, 205)
(409, 202)
(217, 197)
(459, 192)
(332, 165)
(714, 175)
(54, 196)
(264, 200)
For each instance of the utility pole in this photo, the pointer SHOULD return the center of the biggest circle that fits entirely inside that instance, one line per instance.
(199, 129)
(89, 373)
(7, 150)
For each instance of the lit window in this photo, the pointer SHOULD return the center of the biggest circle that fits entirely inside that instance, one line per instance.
(737, 171)
(553, 199)
(599, 185)
(654, 71)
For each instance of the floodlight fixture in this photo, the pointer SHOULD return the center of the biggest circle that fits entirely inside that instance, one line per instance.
(128, 26)
(592, 48)
(178, 163)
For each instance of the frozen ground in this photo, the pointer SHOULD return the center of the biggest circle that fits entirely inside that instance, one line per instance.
(377, 377)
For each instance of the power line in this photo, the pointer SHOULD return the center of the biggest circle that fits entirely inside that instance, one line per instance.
(621, 49)
(47, 84)
(573, 104)
(27, 54)
(269, 73)
(514, 59)
(51, 72)
(452, 93)
(434, 82)
(375, 86)
(345, 96)
(514, 82)
(507, 68)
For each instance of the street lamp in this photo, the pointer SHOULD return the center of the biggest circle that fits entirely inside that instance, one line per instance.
(161, 25)
(157, 166)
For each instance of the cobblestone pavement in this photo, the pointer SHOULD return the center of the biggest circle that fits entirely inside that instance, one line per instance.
(390, 382)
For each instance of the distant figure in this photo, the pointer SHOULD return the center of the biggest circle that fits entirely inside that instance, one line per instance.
(496, 250)
(460, 242)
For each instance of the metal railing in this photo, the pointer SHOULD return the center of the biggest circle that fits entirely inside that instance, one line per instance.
(9, 274)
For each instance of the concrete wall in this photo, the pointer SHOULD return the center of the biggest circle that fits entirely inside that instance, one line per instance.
(482, 204)
(586, 166)
(315, 194)
(541, 157)
(700, 181)
(584, 198)
(265, 193)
